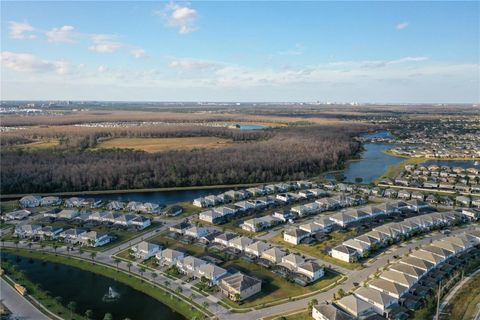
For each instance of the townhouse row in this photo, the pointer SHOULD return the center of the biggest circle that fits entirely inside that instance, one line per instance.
(237, 195)
(72, 236)
(344, 218)
(125, 220)
(361, 246)
(32, 201)
(222, 214)
(383, 294)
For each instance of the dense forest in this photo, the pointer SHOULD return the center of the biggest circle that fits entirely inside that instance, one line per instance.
(274, 155)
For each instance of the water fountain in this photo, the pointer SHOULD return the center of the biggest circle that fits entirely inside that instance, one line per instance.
(111, 295)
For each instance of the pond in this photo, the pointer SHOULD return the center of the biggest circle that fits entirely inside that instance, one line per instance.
(87, 290)
(251, 127)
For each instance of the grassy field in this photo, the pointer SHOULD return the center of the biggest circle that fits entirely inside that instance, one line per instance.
(393, 170)
(8, 205)
(39, 145)
(164, 144)
(156, 293)
(465, 302)
(302, 315)
(318, 250)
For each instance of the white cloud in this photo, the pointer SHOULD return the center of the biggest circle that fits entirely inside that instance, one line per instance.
(138, 53)
(102, 69)
(26, 62)
(181, 17)
(21, 30)
(104, 43)
(62, 34)
(188, 64)
(402, 25)
(297, 51)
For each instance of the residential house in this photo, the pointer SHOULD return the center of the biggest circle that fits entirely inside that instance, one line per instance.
(326, 311)
(378, 299)
(211, 272)
(145, 250)
(17, 214)
(238, 287)
(50, 201)
(68, 214)
(116, 205)
(50, 232)
(30, 201)
(93, 239)
(398, 278)
(274, 255)
(27, 230)
(169, 256)
(312, 270)
(196, 232)
(257, 248)
(189, 264)
(355, 306)
(295, 235)
(240, 243)
(344, 253)
(224, 238)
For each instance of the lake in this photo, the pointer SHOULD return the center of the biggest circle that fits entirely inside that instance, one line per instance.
(373, 163)
(87, 290)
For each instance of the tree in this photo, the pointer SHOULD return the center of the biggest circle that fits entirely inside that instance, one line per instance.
(30, 246)
(117, 261)
(167, 283)
(93, 254)
(129, 265)
(340, 293)
(141, 270)
(72, 305)
(88, 314)
(55, 247)
(179, 289)
(108, 316)
(154, 276)
(312, 303)
(237, 297)
(80, 251)
(42, 246)
(205, 304)
(16, 243)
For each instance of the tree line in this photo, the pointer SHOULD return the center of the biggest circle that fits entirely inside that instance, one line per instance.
(290, 153)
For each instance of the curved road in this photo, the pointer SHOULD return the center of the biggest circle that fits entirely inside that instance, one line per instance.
(20, 307)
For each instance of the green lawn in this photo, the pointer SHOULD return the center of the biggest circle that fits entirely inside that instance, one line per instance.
(302, 315)
(275, 287)
(319, 250)
(8, 205)
(166, 242)
(161, 295)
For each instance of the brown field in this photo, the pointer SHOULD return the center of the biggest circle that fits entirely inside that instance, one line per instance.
(152, 145)
(40, 144)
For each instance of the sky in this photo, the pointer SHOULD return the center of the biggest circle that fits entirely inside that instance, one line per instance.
(381, 51)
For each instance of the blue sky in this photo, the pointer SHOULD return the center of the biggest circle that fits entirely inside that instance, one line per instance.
(241, 51)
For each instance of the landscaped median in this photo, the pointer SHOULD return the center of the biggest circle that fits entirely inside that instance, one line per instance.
(159, 292)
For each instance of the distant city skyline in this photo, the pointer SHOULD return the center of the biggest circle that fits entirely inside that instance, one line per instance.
(377, 52)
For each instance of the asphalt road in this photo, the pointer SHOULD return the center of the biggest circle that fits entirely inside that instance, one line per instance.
(20, 307)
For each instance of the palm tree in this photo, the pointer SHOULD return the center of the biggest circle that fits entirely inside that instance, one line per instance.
(30, 246)
(117, 261)
(16, 243)
(205, 304)
(55, 247)
(80, 251)
(141, 270)
(93, 254)
(42, 246)
(179, 290)
(129, 265)
(192, 296)
(154, 276)
(88, 314)
(167, 283)
(72, 305)
(312, 303)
